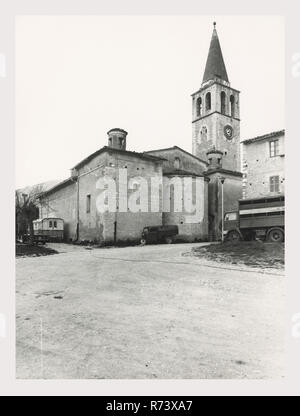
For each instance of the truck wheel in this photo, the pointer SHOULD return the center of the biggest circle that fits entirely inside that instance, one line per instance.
(233, 236)
(275, 235)
(143, 242)
(169, 240)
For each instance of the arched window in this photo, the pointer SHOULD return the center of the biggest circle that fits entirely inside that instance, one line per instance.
(177, 163)
(223, 102)
(199, 106)
(232, 106)
(208, 101)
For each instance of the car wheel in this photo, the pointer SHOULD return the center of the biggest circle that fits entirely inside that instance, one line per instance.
(275, 236)
(169, 240)
(143, 242)
(233, 236)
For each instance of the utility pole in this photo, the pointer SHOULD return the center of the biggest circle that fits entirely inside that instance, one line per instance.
(222, 180)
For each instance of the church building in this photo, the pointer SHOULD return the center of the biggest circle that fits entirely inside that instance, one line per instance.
(213, 168)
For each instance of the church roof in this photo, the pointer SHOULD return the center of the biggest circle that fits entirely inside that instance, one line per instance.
(114, 150)
(180, 172)
(215, 66)
(86, 160)
(221, 170)
(178, 148)
(60, 185)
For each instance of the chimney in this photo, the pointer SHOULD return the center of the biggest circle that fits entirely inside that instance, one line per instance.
(214, 158)
(117, 138)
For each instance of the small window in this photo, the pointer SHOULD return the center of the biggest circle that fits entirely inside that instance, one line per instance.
(177, 163)
(208, 101)
(199, 107)
(54, 224)
(50, 224)
(232, 113)
(274, 148)
(223, 102)
(88, 203)
(274, 183)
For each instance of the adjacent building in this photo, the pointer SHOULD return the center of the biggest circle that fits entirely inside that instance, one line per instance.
(263, 165)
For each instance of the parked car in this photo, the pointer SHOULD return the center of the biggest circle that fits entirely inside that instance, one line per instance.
(36, 239)
(159, 234)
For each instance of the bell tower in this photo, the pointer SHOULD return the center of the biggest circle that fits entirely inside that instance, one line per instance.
(216, 111)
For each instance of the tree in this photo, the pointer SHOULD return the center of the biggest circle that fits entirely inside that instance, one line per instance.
(27, 210)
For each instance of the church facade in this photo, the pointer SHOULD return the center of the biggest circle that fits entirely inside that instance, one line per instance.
(213, 166)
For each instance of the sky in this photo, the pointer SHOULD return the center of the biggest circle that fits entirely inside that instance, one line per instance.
(79, 76)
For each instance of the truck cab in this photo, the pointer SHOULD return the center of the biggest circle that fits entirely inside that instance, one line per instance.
(231, 222)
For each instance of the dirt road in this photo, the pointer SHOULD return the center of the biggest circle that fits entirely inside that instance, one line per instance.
(146, 312)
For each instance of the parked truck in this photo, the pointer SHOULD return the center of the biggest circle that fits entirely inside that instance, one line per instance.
(259, 218)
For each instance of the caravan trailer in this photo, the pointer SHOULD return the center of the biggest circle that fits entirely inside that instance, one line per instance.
(48, 229)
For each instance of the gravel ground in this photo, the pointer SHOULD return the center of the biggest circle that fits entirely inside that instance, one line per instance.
(256, 254)
(146, 312)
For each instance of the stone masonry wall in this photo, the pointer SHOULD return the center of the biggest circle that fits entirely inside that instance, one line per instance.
(215, 122)
(189, 230)
(259, 166)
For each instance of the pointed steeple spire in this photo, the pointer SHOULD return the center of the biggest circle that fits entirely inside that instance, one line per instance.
(215, 66)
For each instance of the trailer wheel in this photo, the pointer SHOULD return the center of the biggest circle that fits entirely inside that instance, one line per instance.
(275, 235)
(233, 236)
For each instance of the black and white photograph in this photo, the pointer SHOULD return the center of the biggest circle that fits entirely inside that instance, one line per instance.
(150, 197)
